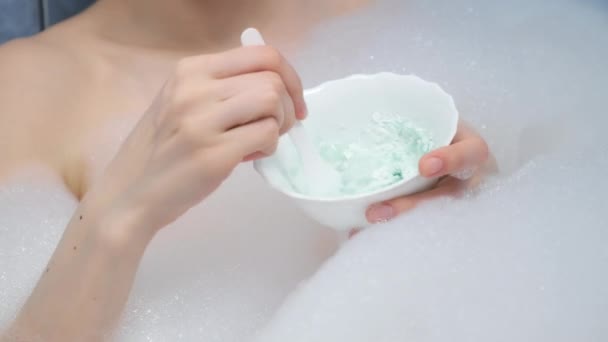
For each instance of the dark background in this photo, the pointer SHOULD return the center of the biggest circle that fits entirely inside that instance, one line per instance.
(26, 17)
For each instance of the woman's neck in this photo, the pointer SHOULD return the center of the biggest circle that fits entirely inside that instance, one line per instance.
(186, 26)
(183, 25)
(197, 26)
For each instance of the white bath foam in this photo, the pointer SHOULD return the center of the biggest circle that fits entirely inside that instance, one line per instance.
(34, 210)
(526, 261)
(523, 261)
(217, 274)
(220, 272)
(510, 66)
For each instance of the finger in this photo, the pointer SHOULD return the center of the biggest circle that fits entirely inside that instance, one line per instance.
(388, 210)
(266, 81)
(468, 151)
(353, 232)
(255, 156)
(255, 59)
(248, 107)
(259, 136)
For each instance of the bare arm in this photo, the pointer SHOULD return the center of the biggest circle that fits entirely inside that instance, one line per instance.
(214, 112)
(82, 292)
(86, 283)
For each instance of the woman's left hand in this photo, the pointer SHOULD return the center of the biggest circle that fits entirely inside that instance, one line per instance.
(459, 166)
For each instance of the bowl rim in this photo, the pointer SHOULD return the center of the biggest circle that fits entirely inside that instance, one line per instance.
(388, 188)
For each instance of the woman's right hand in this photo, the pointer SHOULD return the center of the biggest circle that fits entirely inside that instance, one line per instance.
(214, 112)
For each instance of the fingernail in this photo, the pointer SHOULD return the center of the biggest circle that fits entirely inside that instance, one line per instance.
(432, 166)
(305, 110)
(380, 213)
(254, 156)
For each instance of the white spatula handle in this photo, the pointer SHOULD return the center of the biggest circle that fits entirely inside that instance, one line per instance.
(315, 169)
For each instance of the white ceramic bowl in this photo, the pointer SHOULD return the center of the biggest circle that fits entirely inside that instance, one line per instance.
(350, 102)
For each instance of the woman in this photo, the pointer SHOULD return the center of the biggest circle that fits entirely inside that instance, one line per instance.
(204, 112)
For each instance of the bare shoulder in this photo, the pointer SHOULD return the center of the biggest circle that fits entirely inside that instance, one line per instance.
(33, 61)
(35, 77)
